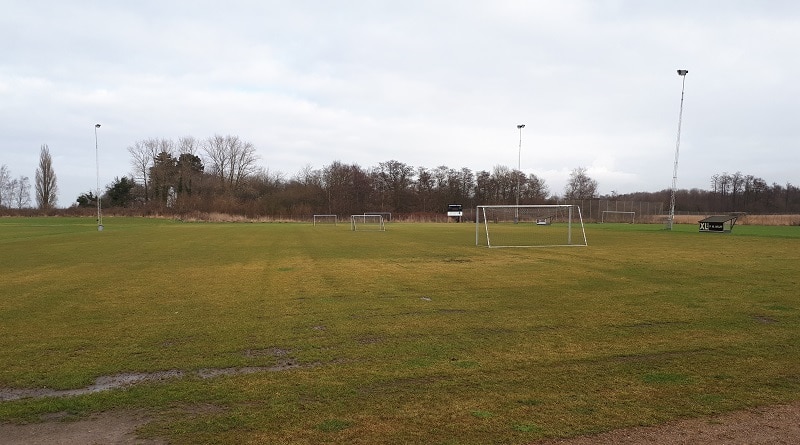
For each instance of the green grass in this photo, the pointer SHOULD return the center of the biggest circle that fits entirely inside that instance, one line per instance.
(405, 336)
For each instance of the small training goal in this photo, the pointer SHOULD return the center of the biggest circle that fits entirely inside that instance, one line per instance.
(613, 216)
(367, 223)
(529, 226)
(326, 220)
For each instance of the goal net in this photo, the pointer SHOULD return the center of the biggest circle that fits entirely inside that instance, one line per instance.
(613, 216)
(367, 223)
(326, 220)
(529, 226)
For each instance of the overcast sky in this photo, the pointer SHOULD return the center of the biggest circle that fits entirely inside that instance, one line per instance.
(427, 83)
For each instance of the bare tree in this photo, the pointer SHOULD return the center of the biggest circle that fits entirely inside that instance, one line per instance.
(20, 192)
(166, 146)
(724, 183)
(214, 148)
(737, 187)
(534, 190)
(504, 183)
(231, 159)
(46, 184)
(347, 188)
(453, 194)
(467, 183)
(715, 181)
(188, 145)
(423, 187)
(5, 186)
(394, 180)
(580, 185)
(308, 176)
(142, 155)
(484, 189)
(243, 155)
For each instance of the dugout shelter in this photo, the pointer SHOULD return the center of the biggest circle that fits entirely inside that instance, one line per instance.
(717, 224)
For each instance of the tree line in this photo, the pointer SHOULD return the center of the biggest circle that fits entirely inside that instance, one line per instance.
(15, 193)
(751, 194)
(221, 174)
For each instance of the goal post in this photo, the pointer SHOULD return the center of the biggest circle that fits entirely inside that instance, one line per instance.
(613, 216)
(367, 223)
(529, 226)
(326, 220)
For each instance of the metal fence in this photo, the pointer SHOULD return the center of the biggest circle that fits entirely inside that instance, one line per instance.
(592, 209)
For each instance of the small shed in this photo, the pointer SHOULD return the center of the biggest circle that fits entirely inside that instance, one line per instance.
(718, 224)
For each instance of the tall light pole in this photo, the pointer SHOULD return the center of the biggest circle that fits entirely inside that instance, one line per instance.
(681, 73)
(519, 170)
(97, 193)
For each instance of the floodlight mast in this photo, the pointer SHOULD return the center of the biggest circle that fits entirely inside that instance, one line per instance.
(519, 170)
(681, 73)
(97, 190)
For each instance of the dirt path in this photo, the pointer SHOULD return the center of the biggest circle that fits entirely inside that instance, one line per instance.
(118, 428)
(770, 425)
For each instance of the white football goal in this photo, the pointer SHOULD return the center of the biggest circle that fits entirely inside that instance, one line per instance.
(529, 226)
(367, 223)
(613, 216)
(326, 220)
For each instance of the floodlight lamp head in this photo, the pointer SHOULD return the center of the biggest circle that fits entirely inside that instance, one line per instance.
(683, 72)
(96, 125)
(521, 126)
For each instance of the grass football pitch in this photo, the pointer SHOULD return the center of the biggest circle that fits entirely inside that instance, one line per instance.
(291, 333)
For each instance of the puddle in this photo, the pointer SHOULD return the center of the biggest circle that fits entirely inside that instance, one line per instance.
(105, 383)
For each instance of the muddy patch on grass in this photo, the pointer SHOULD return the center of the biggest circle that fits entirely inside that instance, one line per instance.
(763, 319)
(218, 372)
(369, 340)
(117, 381)
(107, 428)
(457, 260)
(267, 352)
(102, 383)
